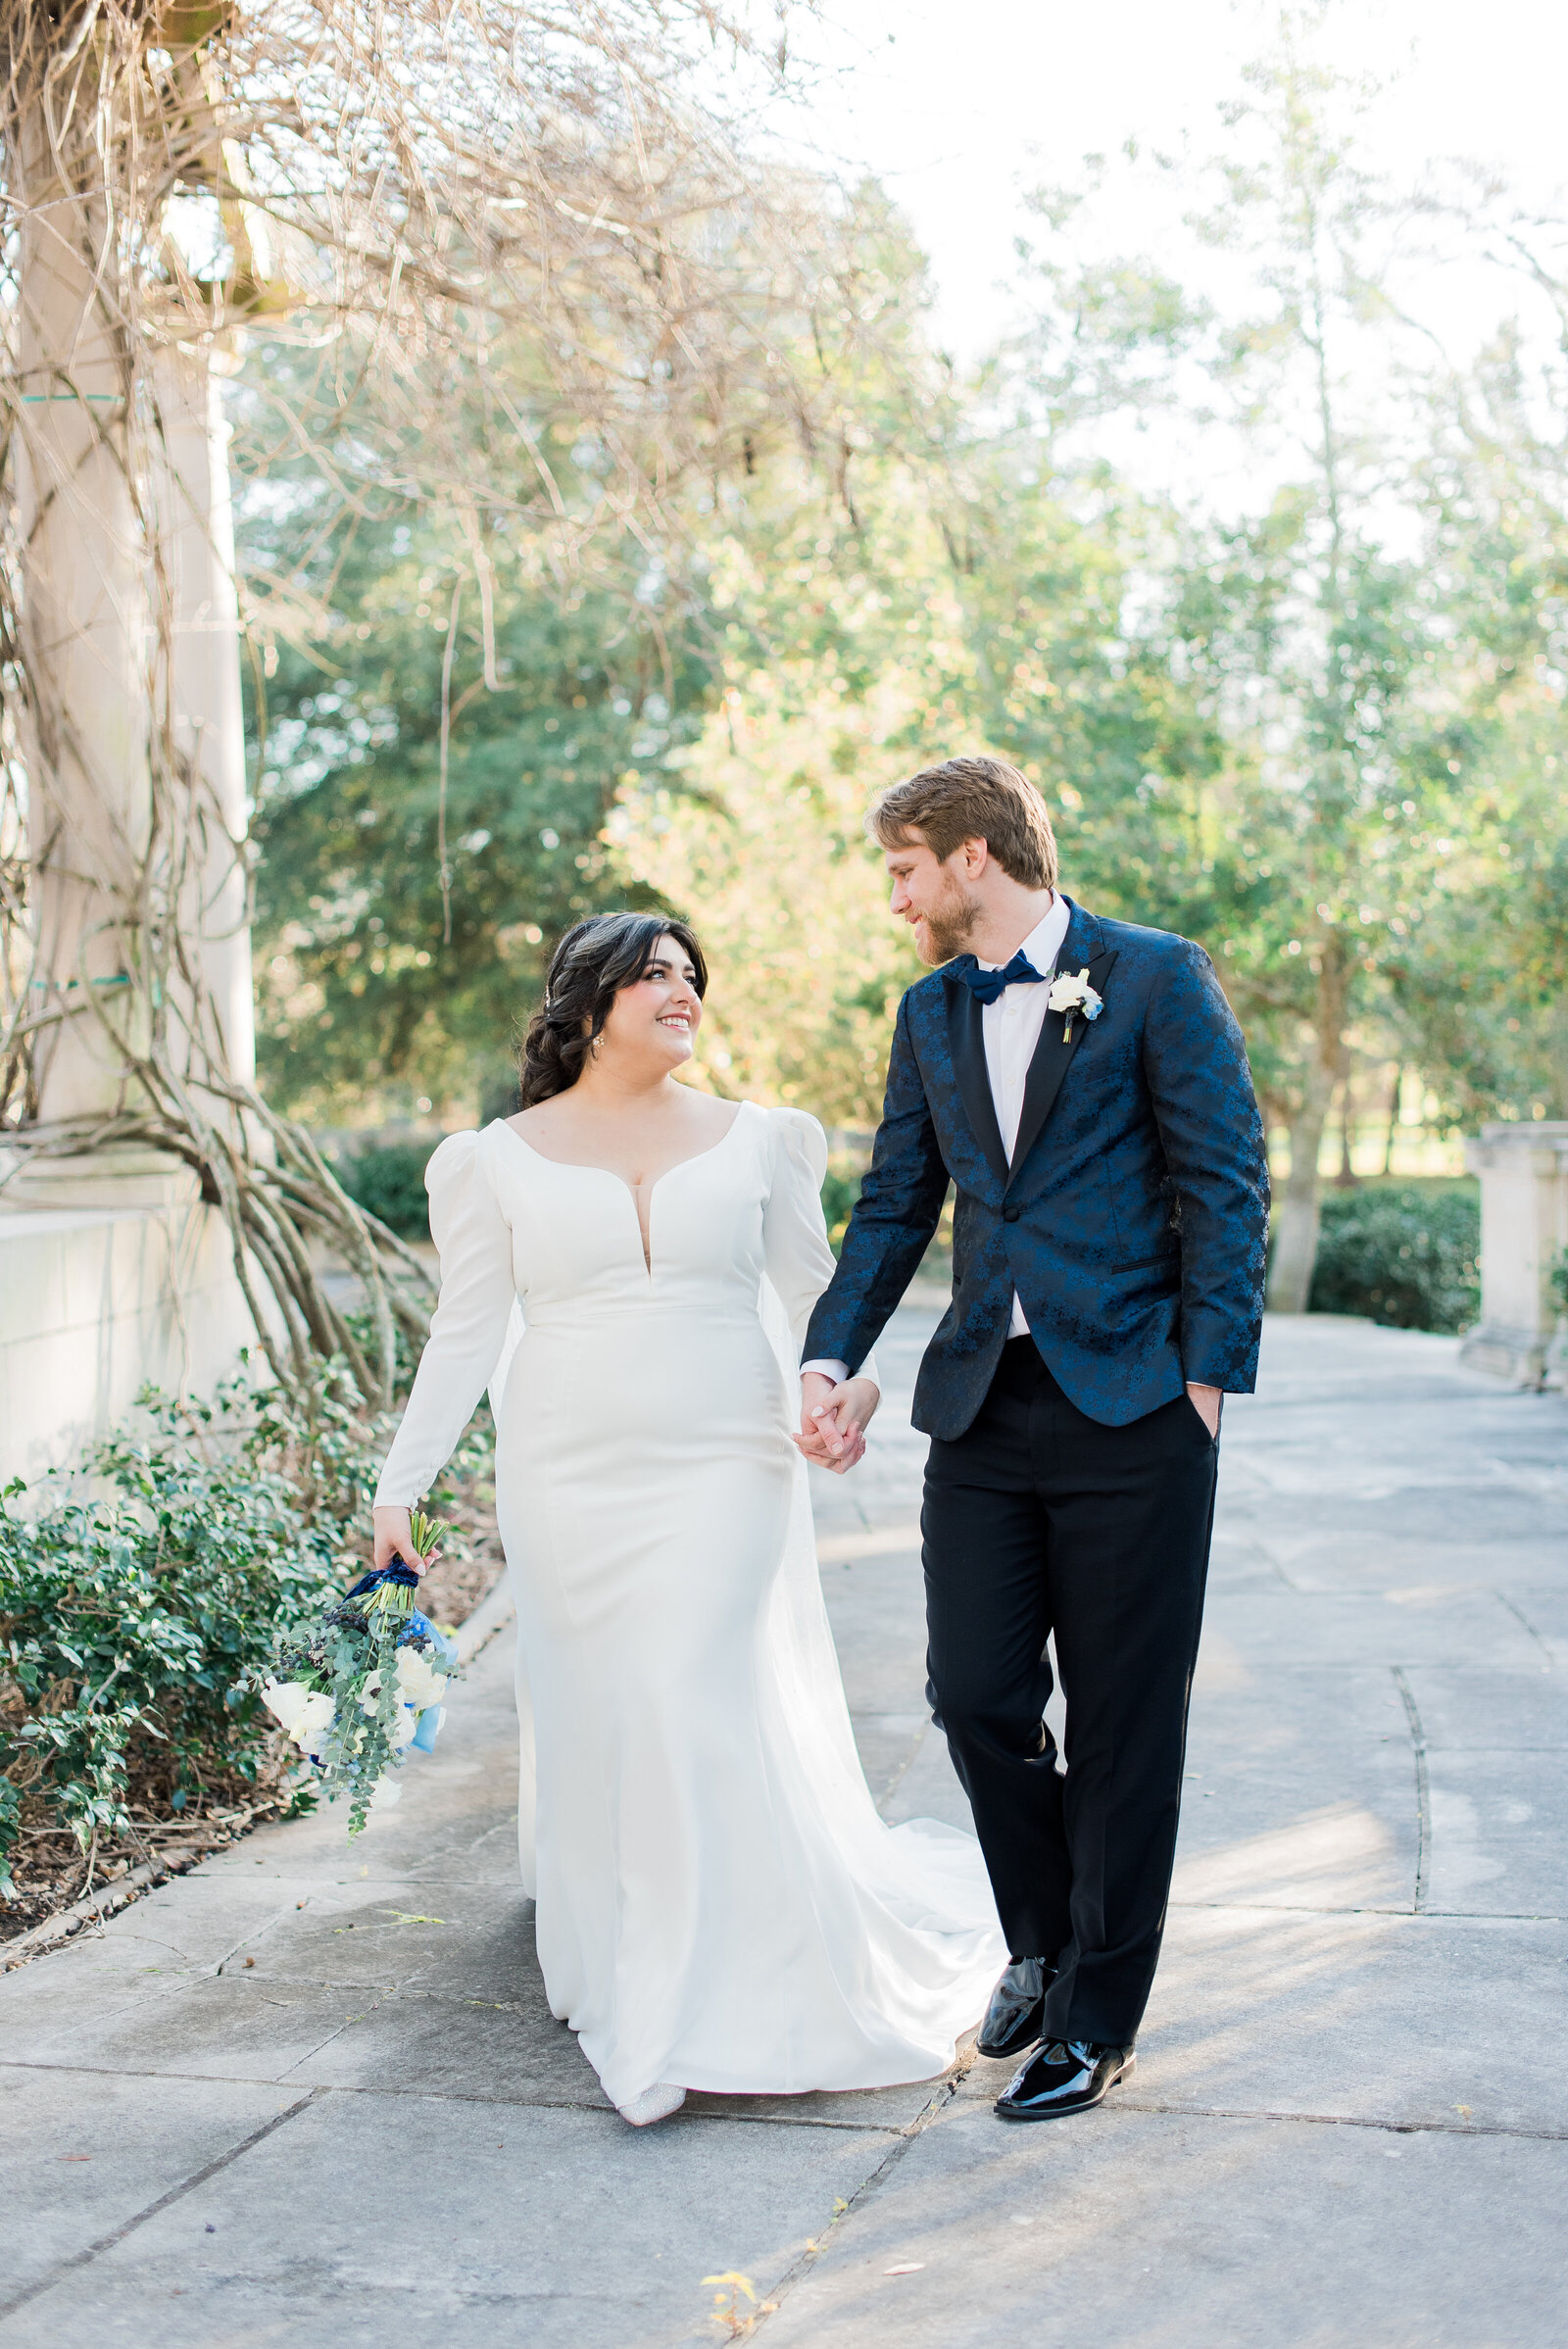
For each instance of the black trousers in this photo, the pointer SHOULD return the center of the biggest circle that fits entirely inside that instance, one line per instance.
(1039, 1520)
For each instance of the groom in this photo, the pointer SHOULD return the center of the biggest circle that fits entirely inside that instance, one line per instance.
(1107, 1280)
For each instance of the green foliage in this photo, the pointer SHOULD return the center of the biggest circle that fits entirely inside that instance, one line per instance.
(377, 986)
(841, 1188)
(127, 1623)
(359, 1661)
(389, 1180)
(1559, 1281)
(135, 1615)
(1335, 765)
(1362, 840)
(1479, 992)
(1405, 1254)
(351, 1654)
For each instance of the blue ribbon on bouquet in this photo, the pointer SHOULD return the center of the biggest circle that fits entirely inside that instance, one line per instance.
(397, 1572)
(419, 1626)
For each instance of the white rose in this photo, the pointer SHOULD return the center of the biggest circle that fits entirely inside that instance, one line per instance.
(404, 1724)
(1067, 993)
(1071, 995)
(421, 1686)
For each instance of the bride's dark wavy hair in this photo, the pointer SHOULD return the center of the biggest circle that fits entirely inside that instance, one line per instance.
(594, 961)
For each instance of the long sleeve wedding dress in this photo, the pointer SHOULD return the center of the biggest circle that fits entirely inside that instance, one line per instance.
(718, 1903)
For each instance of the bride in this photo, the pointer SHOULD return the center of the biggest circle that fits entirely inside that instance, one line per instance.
(629, 1265)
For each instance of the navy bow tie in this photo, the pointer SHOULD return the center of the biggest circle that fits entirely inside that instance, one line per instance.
(987, 985)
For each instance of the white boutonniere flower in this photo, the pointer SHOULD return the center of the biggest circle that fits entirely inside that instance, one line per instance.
(1072, 995)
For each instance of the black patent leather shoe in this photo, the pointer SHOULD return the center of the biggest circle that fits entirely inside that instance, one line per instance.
(1017, 2007)
(1065, 2076)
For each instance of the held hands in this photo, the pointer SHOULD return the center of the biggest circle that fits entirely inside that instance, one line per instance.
(834, 1420)
(394, 1539)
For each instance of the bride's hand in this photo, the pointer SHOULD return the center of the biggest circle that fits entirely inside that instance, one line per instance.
(834, 1420)
(394, 1539)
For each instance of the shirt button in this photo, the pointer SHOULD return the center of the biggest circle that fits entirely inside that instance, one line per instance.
(1010, 1213)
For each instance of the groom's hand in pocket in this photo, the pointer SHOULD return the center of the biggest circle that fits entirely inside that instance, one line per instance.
(1205, 1402)
(834, 1420)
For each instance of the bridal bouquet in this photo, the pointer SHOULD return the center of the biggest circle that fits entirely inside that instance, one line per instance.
(363, 1685)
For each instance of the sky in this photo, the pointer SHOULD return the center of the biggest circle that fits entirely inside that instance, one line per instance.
(959, 106)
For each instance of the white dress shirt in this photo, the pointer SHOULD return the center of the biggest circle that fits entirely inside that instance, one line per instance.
(1010, 1028)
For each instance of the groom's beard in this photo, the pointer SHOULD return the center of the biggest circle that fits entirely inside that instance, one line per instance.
(946, 929)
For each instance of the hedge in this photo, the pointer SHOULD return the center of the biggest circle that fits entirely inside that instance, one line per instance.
(1405, 1254)
(388, 1178)
(137, 1601)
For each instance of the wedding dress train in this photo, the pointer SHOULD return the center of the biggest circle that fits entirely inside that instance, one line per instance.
(719, 1906)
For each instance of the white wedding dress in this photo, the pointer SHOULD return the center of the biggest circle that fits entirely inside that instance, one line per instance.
(719, 1905)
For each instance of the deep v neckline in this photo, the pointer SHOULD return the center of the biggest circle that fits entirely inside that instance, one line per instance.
(645, 1233)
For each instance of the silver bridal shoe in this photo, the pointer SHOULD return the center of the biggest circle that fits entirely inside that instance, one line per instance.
(654, 2104)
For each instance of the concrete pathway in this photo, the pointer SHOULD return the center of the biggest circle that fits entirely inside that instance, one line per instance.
(308, 2094)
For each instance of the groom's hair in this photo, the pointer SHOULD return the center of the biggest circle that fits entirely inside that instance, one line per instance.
(971, 799)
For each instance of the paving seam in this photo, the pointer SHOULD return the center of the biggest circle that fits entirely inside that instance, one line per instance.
(1372, 1599)
(1423, 1790)
(1521, 1617)
(177, 2194)
(801, 2267)
(898, 1777)
(94, 1909)
(507, 2104)
(312, 2053)
(1287, 1908)
(1397, 2128)
(906, 2132)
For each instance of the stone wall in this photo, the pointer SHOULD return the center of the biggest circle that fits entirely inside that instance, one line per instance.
(113, 1273)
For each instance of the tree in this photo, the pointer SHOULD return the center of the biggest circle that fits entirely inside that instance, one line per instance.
(1480, 989)
(1314, 656)
(760, 838)
(411, 190)
(124, 945)
(942, 595)
(606, 669)
(407, 894)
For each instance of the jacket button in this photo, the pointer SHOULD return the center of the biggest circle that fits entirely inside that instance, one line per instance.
(1010, 1213)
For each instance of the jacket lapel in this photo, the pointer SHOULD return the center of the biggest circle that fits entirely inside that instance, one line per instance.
(1082, 947)
(966, 1044)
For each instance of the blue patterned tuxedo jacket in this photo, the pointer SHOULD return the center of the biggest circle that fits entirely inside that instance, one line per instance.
(1132, 1220)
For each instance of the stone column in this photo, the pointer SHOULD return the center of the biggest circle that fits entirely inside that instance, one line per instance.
(205, 719)
(85, 619)
(113, 1271)
(1524, 1233)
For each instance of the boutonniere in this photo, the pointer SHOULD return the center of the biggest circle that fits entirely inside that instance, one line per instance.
(1072, 995)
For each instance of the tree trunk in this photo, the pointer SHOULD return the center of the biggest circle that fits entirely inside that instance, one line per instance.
(1394, 1121)
(1347, 1178)
(85, 622)
(1295, 1227)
